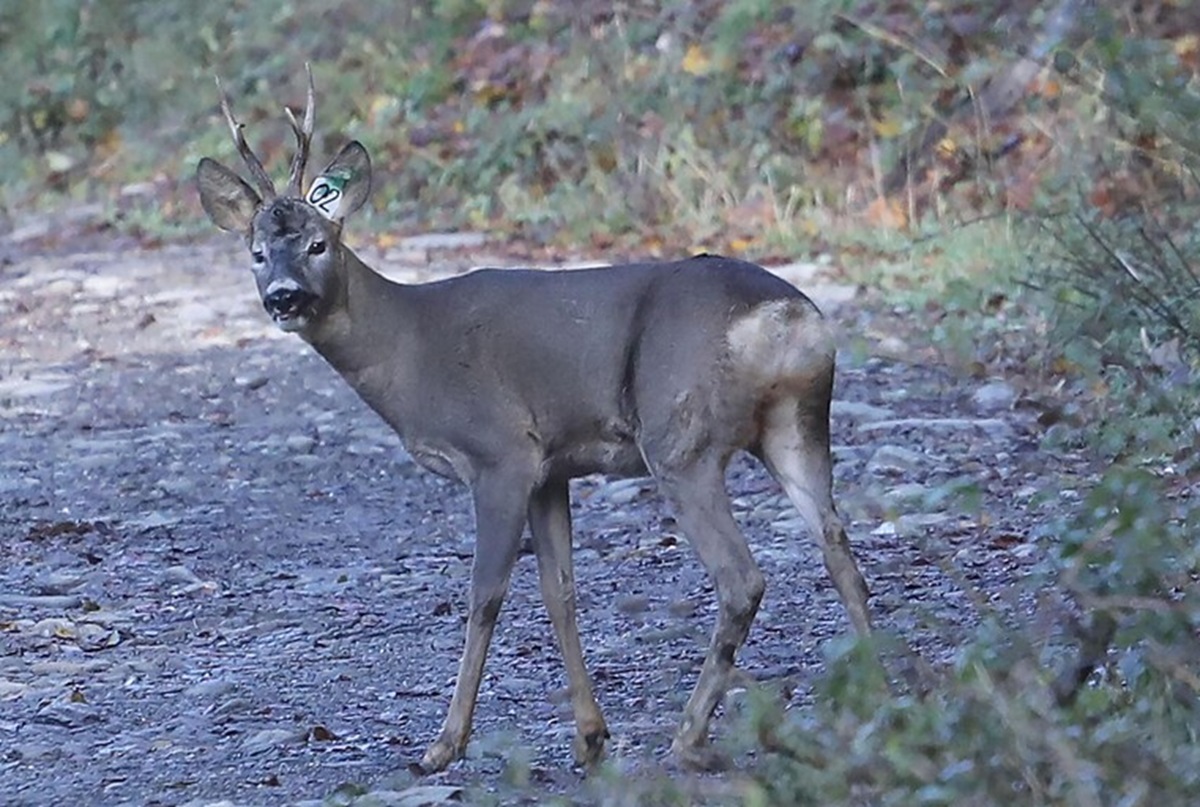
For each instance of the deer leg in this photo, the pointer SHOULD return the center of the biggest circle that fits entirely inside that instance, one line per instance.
(795, 449)
(500, 502)
(702, 507)
(550, 524)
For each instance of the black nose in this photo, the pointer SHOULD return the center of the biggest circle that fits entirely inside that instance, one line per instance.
(283, 302)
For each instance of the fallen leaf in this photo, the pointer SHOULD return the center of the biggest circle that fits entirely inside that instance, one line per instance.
(696, 61)
(887, 213)
(888, 127)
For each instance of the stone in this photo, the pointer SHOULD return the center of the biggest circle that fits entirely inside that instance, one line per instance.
(252, 381)
(632, 604)
(176, 486)
(993, 397)
(857, 410)
(908, 493)
(267, 739)
(300, 443)
(621, 492)
(179, 574)
(916, 522)
(60, 581)
(894, 460)
(993, 427)
(11, 689)
(54, 601)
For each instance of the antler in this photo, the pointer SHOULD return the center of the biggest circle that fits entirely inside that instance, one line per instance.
(261, 178)
(295, 186)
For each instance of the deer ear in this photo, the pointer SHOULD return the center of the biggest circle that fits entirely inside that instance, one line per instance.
(344, 185)
(227, 199)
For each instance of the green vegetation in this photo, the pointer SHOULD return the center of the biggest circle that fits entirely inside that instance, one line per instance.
(877, 132)
(744, 126)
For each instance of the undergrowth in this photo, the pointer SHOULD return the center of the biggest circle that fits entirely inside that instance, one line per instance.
(1099, 704)
(761, 127)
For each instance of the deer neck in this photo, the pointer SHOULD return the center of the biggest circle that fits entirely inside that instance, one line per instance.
(369, 333)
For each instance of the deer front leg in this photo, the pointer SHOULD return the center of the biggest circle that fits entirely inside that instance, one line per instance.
(500, 503)
(550, 524)
(702, 507)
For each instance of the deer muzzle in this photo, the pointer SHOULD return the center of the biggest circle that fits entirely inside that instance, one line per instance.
(288, 304)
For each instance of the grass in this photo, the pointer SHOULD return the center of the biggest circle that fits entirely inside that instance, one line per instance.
(744, 127)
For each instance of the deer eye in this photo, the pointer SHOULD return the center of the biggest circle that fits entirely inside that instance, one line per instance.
(257, 255)
(316, 247)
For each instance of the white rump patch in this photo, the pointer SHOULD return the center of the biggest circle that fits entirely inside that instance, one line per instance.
(781, 341)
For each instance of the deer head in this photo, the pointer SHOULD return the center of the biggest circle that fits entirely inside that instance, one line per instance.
(294, 239)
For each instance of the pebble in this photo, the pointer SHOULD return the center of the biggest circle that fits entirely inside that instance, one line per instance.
(57, 582)
(96, 637)
(300, 443)
(863, 412)
(683, 608)
(621, 492)
(70, 668)
(632, 604)
(104, 286)
(68, 713)
(916, 522)
(907, 493)
(179, 574)
(894, 460)
(518, 687)
(362, 448)
(993, 397)
(267, 739)
(10, 689)
(308, 461)
(34, 385)
(176, 486)
(51, 601)
(251, 382)
(995, 428)
(55, 602)
(96, 461)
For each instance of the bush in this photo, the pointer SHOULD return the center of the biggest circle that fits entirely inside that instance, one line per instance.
(1012, 721)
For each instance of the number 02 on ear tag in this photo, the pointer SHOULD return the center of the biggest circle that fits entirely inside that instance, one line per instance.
(325, 195)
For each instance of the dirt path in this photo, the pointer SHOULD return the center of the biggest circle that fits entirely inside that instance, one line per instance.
(223, 579)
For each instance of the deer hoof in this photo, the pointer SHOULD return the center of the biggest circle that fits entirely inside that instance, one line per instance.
(701, 757)
(589, 747)
(439, 756)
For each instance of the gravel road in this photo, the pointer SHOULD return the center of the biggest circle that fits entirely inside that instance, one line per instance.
(223, 579)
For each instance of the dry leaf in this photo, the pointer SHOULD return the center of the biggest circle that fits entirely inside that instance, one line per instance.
(696, 61)
(888, 127)
(887, 213)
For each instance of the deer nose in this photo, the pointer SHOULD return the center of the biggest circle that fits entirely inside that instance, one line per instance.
(286, 301)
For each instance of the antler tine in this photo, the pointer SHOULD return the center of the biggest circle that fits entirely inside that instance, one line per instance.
(303, 133)
(259, 174)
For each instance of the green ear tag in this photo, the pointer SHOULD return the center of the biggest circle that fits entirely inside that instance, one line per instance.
(325, 194)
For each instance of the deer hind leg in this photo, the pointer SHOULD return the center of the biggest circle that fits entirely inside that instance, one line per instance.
(795, 448)
(550, 524)
(702, 507)
(500, 511)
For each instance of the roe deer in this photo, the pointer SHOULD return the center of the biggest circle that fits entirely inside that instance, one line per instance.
(516, 381)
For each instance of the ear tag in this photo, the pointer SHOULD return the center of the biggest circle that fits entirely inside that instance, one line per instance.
(325, 194)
